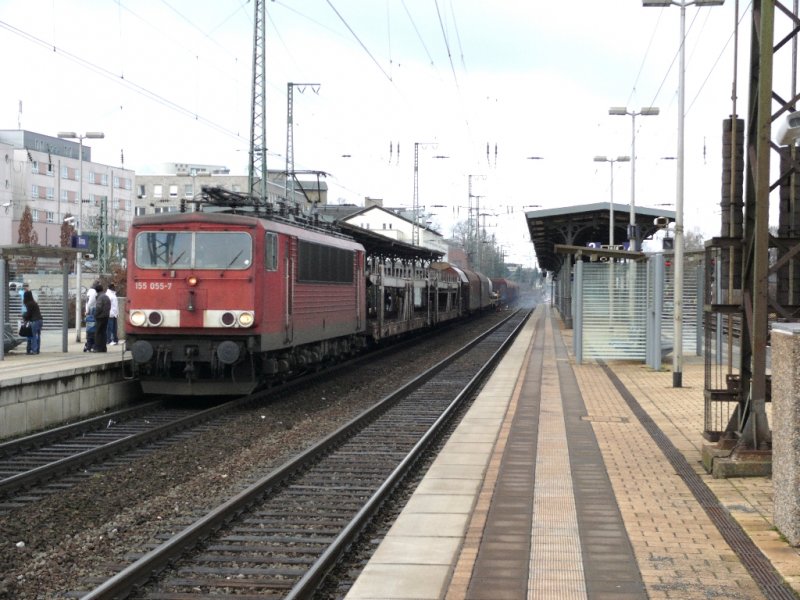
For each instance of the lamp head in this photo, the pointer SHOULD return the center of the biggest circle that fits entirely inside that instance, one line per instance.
(95, 135)
(789, 129)
(618, 110)
(656, 3)
(648, 111)
(67, 134)
(623, 159)
(600, 159)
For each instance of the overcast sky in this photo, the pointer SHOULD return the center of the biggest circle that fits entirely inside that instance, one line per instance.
(169, 81)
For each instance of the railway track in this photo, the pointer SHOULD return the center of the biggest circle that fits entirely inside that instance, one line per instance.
(35, 466)
(280, 537)
(41, 464)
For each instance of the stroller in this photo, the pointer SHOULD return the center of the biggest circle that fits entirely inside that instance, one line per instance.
(91, 325)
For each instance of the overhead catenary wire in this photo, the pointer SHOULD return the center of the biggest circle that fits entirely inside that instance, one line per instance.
(363, 46)
(419, 35)
(125, 82)
(446, 43)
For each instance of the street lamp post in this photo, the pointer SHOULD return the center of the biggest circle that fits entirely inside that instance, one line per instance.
(677, 351)
(71, 135)
(611, 162)
(646, 111)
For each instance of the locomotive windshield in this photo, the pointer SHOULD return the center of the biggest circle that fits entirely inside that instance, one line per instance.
(197, 250)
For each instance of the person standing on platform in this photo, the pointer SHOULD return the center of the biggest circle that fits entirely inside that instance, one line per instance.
(91, 298)
(32, 314)
(102, 310)
(22, 291)
(113, 340)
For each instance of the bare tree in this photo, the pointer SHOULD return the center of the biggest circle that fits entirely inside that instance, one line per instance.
(693, 240)
(67, 231)
(27, 234)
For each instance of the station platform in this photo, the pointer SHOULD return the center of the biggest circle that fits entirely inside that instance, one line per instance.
(53, 387)
(51, 357)
(585, 480)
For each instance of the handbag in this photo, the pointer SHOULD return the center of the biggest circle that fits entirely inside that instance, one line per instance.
(25, 330)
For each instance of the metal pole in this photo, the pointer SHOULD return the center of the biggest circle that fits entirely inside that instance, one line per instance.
(611, 207)
(632, 221)
(3, 297)
(79, 256)
(677, 350)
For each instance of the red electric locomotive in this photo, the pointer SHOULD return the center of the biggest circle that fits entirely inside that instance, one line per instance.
(219, 301)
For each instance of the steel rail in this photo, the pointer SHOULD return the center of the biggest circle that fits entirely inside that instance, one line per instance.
(316, 574)
(137, 574)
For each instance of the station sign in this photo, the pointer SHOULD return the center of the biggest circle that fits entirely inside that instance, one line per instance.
(81, 242)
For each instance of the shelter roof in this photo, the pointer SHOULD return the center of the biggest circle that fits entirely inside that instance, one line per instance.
(584, 224)
(37, 251)
(380, 245)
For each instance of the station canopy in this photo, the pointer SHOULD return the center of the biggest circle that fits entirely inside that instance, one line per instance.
(585, 224)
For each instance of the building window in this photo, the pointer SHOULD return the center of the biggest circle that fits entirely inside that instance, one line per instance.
(173, 190)
(51, 193)
(104, 179)
(34, 191)
(142, 190)
(187, 190)
(140, 210)
(92, 177)
(64, 172)
(51, 217)
(64, 196)
(35, 215)
(158, 190)
(50, 169)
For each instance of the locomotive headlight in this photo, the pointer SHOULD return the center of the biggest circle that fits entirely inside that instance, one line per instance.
(246, 319)
(138, 318)
(192, 281)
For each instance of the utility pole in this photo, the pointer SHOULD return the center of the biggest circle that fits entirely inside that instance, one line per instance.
(290, 133)
(257, 175)
(102, 233)
(473, 226)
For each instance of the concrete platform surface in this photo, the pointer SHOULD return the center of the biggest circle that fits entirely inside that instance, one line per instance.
(593, 488)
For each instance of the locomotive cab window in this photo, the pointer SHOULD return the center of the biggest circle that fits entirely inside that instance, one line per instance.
(223, 250)
(271, 249)
(186, 250)
(164, 249)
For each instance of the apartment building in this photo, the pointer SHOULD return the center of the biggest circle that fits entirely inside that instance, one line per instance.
(181, 182)
(43, 173)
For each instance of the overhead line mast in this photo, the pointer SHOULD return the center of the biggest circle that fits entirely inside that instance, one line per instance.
(257, 175)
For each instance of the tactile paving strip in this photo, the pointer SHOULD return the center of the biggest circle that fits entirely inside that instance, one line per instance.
(760, 569)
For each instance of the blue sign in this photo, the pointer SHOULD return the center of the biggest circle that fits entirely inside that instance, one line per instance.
(81, 242)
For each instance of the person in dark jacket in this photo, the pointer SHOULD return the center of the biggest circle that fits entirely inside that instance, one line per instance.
(33, 315)
(102, 310)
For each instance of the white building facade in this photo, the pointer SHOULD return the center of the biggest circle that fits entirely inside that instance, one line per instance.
(183, 181)
(43, 173)
(396, 227)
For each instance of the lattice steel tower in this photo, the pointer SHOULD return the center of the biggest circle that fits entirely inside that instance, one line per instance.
(257, 176)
